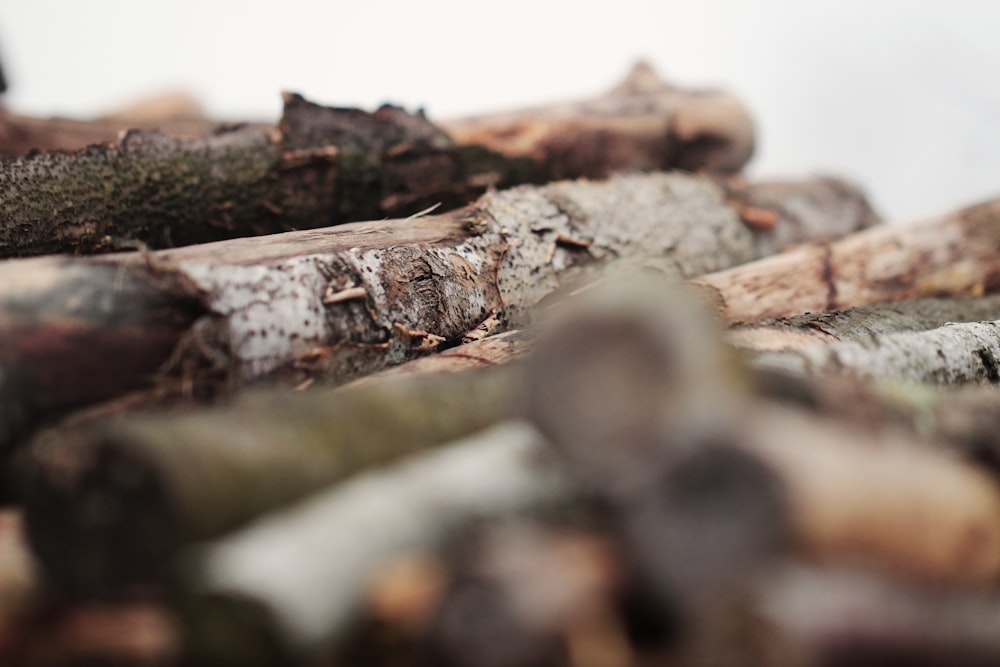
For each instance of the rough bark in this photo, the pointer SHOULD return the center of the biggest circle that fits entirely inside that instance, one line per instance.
(322, 166)
(951, 255)
(862, 323)
(950, 354)
(109, 506)
(350, 300)
(258, 598)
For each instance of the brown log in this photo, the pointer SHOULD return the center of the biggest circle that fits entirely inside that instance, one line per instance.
(955, 254)
(346, 301)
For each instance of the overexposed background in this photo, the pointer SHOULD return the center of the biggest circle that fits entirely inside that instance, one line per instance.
(901, 96)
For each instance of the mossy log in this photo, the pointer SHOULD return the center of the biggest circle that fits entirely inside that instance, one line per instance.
(108, 506)
(346, 301)
(951, 255)
(321, 166)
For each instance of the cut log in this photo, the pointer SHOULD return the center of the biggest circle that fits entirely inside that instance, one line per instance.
(350, 300)
(862, 323)
(109, 506)
(955, 254)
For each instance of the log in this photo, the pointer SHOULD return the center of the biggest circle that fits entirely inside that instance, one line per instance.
(346, 301)
(861, 323)
(950, 354)
(642, 123)
(258, 598)
(321, 166)
(951, 255)
(109, 506)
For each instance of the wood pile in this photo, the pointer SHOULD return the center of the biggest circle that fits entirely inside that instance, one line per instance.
(554, 387)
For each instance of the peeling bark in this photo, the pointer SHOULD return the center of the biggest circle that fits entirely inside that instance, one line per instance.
(952, 255)
(350, 300)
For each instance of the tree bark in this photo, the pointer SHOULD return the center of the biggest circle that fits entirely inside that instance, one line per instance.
(946, 256)
(347, 301)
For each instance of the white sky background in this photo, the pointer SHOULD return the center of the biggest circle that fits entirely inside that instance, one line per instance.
(902, 96)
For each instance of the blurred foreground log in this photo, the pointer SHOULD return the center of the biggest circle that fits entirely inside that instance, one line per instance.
(109, 506)
(951, 255)
(258, 598)
(322, 166)
(353, 299)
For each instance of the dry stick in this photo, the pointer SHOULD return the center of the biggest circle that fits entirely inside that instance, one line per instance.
(368, 295)
(109, 506)
(259, 598)
(955, 254)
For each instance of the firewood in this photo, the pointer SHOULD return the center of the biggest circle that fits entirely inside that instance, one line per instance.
(109, 506)
(951, 255)
(349, 300)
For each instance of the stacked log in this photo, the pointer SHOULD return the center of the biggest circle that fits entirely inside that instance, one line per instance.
(550, 387)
